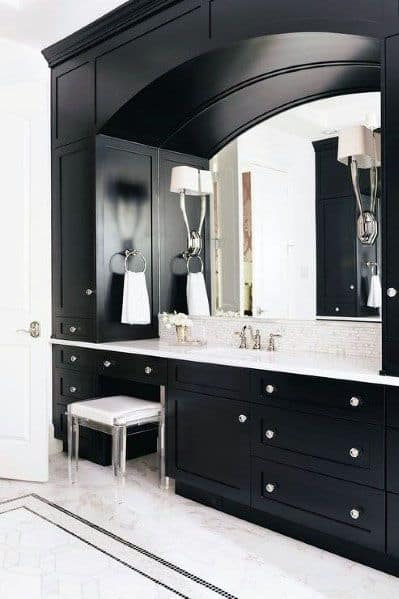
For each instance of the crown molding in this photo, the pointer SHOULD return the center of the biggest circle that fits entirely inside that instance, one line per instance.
(127, 15)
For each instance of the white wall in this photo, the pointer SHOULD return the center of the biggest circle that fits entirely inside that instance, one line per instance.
(269, 148)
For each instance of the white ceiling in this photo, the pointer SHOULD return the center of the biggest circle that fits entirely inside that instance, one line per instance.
(324, 118)
(39, 23)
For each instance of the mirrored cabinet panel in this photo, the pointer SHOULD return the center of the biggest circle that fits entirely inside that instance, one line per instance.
(295, 214)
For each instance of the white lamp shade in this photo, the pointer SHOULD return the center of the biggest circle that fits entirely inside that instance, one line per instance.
(185, 178)
(359, 143)
(206, 183)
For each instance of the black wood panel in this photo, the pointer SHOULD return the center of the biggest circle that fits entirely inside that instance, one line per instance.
(320, 443)
(212, 445)
(392, 398)
(393, 525)
(210, 379)
(127, 218)
(173, 234)
(148, 369)
(73, 104)
(323, 396)
(73, 231)
(393, 460)
(317, 501)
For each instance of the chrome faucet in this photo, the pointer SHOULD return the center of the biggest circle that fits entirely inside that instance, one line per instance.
(272, 345)
(256, 339)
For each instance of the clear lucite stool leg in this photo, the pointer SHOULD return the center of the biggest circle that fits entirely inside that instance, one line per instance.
(163, 479)
(119, 460)
(73, 447)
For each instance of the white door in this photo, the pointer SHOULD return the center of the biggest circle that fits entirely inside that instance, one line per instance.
(24, 282)
(270, 246)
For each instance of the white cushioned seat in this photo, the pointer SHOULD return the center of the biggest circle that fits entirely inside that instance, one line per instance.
(106, 410)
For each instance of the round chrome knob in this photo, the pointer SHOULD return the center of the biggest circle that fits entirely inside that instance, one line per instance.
(73, 359)
(351, 287)
(269, 434)
(354, 402)
(270, 389)
(242, 418)
(336, 308)
(89, 292)
(106, 363)
(72, 329)
(391, 292)
(72, 389)
(354, 452)
(355, 514)
(270, 487)
(148, 369)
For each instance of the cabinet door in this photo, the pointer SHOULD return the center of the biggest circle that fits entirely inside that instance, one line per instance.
(212, 444)
(73, 232)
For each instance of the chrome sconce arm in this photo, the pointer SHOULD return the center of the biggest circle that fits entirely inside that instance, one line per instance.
(194, 239)
(367, 225)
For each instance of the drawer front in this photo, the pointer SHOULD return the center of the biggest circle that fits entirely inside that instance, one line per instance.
(222, 381)
(353, 451)
(73, 358)
(73, 385)
(81, 329)
(148, 369)
(392, 395)
(351, 512)
(393, 460)
(342, 399)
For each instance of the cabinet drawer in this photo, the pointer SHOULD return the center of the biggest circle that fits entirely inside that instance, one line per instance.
(222, 381)
(338, 308)
(75, 328)
(393, 460)
(353, 451)
(320, 502)
(73, 358)
(73, 385)
(392, 395)
(147, 369)
(342, 399)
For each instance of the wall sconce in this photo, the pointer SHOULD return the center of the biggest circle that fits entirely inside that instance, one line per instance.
(187, 180)
(359, 147)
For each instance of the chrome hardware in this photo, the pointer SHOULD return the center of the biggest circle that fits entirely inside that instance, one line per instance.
(354, 452)
(270, 389)
(351, 287)
(355, 514)
(270, 487)
(73, 359)
(106, 363)
(269, 434)
(257, 340)
(148, 369)
(89, 292)
(243, 337)
(242, 418)
(72, 329)
(33, 331)
(336, 308)
(271, 345)
(391, 292)
(354, 402)
(72, 389)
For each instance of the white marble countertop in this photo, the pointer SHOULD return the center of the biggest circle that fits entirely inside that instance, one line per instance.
(315, 364)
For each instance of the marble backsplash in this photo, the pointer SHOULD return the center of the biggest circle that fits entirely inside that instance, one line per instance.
(348, 338)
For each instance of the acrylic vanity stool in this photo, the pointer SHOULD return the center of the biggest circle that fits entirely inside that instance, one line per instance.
(112, 415)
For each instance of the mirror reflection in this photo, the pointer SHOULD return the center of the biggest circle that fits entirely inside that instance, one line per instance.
(295, 214)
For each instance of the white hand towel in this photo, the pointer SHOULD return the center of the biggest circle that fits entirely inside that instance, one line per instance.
(197, 297)
(375, 293)
(136, 304)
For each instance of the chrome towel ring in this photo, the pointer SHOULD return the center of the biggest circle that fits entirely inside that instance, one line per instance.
(129, 253)
(193, 258)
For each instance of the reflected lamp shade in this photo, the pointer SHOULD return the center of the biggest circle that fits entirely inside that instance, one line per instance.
(185, 179)
(361, 144)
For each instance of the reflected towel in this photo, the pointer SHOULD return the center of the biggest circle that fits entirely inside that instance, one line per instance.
(136, 304)
(197, 297)
(375, 293)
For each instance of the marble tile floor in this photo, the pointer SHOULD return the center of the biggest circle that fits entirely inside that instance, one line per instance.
(246, 560)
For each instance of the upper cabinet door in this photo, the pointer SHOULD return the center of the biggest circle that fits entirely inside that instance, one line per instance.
(390, 238)
(72, 103)
(73, 232)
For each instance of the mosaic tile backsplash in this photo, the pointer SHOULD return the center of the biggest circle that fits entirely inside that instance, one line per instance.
(348, 338)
